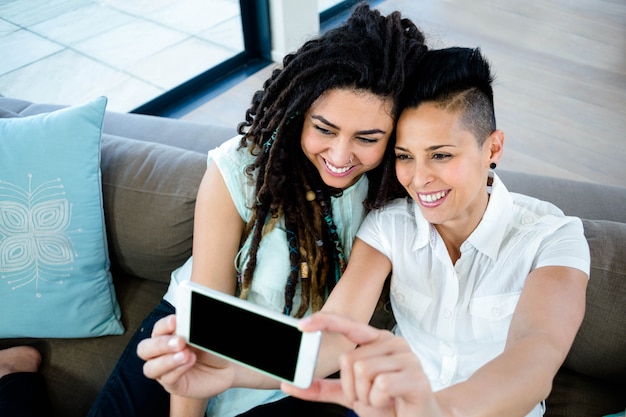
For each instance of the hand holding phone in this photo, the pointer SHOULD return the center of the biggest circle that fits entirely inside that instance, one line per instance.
(247, 334)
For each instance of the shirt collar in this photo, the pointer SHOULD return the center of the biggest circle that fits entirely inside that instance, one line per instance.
(423, 227)
(487, 237)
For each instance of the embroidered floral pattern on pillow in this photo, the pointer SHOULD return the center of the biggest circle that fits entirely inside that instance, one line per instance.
(35, 244)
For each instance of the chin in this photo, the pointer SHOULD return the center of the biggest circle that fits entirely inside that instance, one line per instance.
(335, 182)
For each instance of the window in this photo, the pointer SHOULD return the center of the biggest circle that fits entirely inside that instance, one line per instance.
(147, 56)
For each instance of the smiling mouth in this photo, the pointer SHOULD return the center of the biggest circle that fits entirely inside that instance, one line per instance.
(335, 169)
(431, 198)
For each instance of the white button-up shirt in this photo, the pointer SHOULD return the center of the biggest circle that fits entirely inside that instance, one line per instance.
(456, 316)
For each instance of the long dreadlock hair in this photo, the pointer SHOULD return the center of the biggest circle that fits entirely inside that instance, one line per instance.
(368, 52)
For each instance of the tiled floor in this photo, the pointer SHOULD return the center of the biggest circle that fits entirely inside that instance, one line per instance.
(69, 51)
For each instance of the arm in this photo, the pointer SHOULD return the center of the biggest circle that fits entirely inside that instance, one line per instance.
(546, 320)
(383, 376)
(217, 232)
(185, 406)
(355, 296)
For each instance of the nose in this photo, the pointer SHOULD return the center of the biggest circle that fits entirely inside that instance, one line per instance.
(422, 176)
(341, 152)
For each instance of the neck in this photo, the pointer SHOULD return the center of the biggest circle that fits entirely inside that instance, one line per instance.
(456, 231)
(452, 240)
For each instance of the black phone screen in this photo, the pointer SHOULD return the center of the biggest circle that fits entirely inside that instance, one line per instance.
(244, 336)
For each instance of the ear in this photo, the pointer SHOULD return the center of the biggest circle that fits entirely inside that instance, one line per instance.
(494, 146)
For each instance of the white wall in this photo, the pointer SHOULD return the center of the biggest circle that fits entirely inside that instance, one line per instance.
(292, 23)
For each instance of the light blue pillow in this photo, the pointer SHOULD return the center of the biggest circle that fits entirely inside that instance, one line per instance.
(54, 263)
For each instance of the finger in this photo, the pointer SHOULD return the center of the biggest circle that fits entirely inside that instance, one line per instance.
(401, 377)
(321, 390)
(366, 410)
(361, 367)
(160, 345)
(348, 377)
(405, 393)
(356, 331)
(168, 368)
(397, 374)
(386, 344)
(166, 325)
(363, 378)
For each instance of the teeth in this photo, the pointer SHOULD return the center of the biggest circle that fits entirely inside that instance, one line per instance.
(430, 198)
(335, 169)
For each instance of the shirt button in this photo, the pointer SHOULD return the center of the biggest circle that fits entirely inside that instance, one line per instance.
(496, 311)
(447, 313)
(528, 220)
(444, 381)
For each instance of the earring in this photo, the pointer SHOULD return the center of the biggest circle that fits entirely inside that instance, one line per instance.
(492, 165)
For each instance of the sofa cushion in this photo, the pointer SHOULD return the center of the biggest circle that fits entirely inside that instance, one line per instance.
(149, 196)
(6, 113)
(54, 264)
(600, 202)
(600, 344)
(576, 395)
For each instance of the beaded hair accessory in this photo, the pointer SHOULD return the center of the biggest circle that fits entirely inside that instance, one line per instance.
(340, 260)
(301, 269)
(292, 241)
(268, 143)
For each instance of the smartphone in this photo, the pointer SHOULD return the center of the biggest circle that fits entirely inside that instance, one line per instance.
(250, 335)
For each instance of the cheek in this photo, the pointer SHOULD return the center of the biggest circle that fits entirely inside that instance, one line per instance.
(372, 159)
(460, 172)
(403, 173)
(310, 146)
(372, 156)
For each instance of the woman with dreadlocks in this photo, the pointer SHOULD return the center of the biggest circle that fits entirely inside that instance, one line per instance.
(280, 204)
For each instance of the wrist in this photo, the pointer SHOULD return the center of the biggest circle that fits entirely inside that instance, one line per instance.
(244, 377)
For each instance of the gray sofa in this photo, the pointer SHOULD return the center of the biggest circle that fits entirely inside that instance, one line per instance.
(151, 168)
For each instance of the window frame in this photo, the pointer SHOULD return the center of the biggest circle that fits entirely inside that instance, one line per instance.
(255, 19)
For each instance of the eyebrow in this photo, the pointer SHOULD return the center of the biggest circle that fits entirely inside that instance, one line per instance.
(430, 148)
(361, 132)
